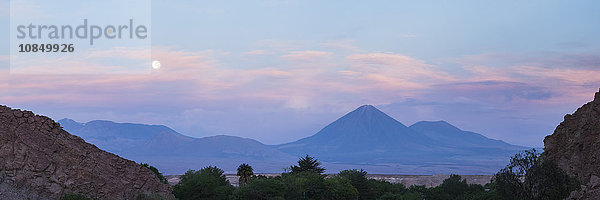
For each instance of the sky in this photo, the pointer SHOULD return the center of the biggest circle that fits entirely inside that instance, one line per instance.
(280, 70)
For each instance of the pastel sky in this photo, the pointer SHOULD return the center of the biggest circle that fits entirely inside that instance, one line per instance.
(280, 70)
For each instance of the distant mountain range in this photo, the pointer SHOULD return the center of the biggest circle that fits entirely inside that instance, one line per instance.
(175, 153)
(369, 135)
(364, 138)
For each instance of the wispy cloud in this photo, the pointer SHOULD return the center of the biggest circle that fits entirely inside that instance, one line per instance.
(341, 45)
(321, 83)
(255, 52)
(307, 56)
(572, 76)
(202, 74)
(407, 35)
(396, 69)
(120, 52)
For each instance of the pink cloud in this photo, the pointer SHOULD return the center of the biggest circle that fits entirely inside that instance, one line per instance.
(571, 84)
(314, 82)
(307, 56)
(255, 52)
(85, 62)
(187, 76)
(343, 45)
(201, 75)
(276, 45)
(395, 71)
(384, 59)
(483, 73)
(121, 52)
(575, 76)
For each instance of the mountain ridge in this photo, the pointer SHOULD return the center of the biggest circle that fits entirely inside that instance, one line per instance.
(442, 130)
(71, 122)
(363, 138)
(174, 152)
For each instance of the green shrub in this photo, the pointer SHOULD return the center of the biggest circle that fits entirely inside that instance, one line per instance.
(302, 185)
(455, 186)
(527, 177)
(263, 188)
(339, 188)
(359, 180)
(381, 187)
(546, 181)
(159, 175)
(208, 183)
(307, 164)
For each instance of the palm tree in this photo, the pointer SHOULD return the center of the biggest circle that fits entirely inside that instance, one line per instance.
(308, 164)
(245, 172)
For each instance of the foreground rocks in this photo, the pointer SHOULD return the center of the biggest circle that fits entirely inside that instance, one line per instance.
(575, 147)
(39, 160)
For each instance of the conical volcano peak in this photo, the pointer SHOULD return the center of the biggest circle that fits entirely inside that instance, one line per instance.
(367, 109)
(365, 129)
(366, 117)
(366, 113)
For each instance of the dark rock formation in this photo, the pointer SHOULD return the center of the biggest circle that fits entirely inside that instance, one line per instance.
(39, 160)
(575, 147)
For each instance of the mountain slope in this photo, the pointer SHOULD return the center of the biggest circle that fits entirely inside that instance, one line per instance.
(173, 152)
(358, 135)
(371, 137)
(363, 131)
(118, 138)
(451, 136)
(364, 138)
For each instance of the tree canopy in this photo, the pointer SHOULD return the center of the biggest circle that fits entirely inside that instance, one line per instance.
(307, 164)
(208, 183)
(245, 172)
(527, 177)
(159, 175)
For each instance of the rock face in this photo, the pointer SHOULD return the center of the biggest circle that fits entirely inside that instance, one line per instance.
(575, 147)
(39, 160)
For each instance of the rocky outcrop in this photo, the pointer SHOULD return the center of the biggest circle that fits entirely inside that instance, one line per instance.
(575, 147)
(39, 160)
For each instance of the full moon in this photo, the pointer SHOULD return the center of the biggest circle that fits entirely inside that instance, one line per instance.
(156, 64)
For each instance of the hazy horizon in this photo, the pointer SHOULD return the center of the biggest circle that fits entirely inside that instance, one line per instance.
(283, 142)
